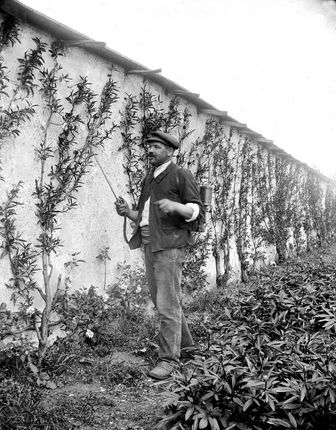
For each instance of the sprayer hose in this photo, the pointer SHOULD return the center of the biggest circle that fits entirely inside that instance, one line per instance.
(125, 229)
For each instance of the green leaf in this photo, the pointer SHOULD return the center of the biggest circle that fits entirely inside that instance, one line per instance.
(249, 363)
(271, 403)
(232, 426)
(203, 423)
(189, 412)
(247, 404)
(238, 401)
(207, 396)
(255, 383)
(291, 406)
(284, 390)
(195, 423)
(303, 393)
(214, 423)
(227, 387)
(292, 420)
(33, 368)
(279, 422)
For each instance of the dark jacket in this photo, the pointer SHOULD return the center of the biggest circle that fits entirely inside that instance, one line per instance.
(167, 231)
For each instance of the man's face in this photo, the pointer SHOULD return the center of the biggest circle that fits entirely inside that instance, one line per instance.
(158, 153)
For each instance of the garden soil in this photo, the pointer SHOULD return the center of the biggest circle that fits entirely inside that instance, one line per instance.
(135, 404)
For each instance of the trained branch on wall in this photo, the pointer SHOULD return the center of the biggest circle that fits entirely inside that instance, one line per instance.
(84, 123)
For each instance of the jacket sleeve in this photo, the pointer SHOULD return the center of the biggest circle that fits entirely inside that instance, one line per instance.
(188, 187)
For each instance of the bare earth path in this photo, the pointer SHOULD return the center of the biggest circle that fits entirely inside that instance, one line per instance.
(134, 404)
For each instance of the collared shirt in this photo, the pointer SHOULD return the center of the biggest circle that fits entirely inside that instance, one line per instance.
(145, 213)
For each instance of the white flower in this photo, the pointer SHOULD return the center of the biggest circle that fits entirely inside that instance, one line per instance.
(30, 310)
(89, 334)
(105, 297)
(123, 287)
(138, 289)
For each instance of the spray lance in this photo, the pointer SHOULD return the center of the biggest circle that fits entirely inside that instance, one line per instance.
(117, 199)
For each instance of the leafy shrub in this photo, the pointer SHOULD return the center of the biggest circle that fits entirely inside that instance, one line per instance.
(13, 355)
(101, 322)
(194, 277)
(130, 289)
(271, 363)
(83, 312)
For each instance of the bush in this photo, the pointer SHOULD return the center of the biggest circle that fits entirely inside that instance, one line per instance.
(84, 311)
(130, 291)
(271, 363)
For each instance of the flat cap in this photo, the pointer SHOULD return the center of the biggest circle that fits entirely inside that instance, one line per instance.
(166, 139)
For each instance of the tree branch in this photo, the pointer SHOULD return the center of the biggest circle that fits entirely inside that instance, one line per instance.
(39, 289)
(31, 327)
(37, 329)
(57, 290)
(13, 333)
(51, 268)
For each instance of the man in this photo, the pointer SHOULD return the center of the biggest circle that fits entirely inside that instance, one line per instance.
(168, 203)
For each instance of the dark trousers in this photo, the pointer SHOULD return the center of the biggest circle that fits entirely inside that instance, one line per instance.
(164, 271)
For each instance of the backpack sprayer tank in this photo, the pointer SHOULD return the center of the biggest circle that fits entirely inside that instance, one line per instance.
(206, 195)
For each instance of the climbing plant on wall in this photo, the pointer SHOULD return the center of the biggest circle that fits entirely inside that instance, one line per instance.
(192, 157)
(259, 198)
(217, 165)
(273, 196)
(143, 114)
(258, 195)
(83, 123)
(243, 211)
(282, 206)
(314, 208)
(298, 210)
(15, 108)
(186, 157)
(330, 212)
(251, 192)
(135, 163)
(9, 31)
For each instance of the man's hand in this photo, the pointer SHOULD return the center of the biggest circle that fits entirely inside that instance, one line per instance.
(170, 207)
(122, 207)
(166, 206)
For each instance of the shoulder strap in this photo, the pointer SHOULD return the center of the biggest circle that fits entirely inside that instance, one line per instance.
(177, 177)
